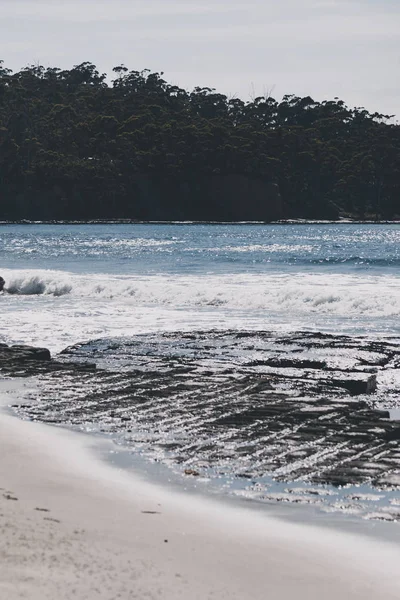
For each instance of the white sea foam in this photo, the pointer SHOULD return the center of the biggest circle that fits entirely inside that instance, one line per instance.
(57, 308)
(276, 248)
(342, 295)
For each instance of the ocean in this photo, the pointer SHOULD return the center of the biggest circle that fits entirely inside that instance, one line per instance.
(189, 315)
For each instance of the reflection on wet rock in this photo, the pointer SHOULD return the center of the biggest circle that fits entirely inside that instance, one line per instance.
(303, 408)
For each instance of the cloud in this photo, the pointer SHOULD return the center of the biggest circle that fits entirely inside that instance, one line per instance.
(103, 10)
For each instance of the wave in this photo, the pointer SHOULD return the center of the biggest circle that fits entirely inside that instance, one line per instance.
(347, 295)
(289, 256)
(35, 286)
(390, 261)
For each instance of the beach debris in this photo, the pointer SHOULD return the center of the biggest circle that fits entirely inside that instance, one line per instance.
(9, 497)
(150, 512)
(192, 472)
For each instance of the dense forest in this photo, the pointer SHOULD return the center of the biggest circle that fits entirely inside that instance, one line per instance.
(74, 146)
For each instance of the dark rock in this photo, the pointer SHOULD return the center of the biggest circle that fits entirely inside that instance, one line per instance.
(294, 406)
(24, 361)
(20, 354)
(290, 362)
(357, 386)
(393, 434)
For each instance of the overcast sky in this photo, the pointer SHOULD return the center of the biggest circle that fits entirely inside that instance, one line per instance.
(321, 48)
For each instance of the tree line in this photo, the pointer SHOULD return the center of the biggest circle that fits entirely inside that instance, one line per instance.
(74, 146)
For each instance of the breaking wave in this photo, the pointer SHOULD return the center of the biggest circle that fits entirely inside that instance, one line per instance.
(35, 286)
(303, 293)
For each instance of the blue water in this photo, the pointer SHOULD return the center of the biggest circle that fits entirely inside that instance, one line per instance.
(70, 283)
(187, 249)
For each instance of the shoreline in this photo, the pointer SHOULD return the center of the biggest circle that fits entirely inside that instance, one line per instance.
(346, 504)
(108, 451)
(74, 526)
(298, 221)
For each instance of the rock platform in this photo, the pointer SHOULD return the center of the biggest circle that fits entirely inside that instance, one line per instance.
(303, 407)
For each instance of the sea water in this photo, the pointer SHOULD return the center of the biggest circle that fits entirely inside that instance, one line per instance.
(122, 286)
(73, 283)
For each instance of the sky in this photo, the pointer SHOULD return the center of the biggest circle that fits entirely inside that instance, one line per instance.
(320, 48)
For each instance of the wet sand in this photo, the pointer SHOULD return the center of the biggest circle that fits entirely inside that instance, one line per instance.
(72, 526)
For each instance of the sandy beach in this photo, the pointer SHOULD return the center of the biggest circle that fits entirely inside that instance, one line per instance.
(73, 526)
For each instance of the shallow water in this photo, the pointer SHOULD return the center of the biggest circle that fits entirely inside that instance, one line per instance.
(69, 284)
